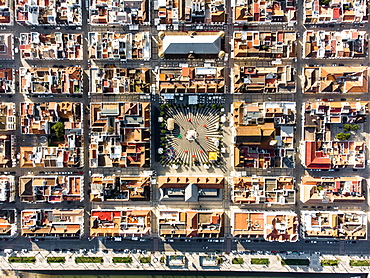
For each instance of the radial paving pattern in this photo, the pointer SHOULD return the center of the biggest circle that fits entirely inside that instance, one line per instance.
(196, 133)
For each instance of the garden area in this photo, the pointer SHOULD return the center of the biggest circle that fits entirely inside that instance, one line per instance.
(122, 260)
(359, 263)
(51, 260)
(237, 261)
(83, 260)
(260, 261)
(145, 260)
(21, 259)
(329, 262)
(295, 262)
(190, 135)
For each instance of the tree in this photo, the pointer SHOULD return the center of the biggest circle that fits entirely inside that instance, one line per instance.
(110, 129)
(343, 136)
(58, 129)
(347, 127)
(319, 188)
(354, 127)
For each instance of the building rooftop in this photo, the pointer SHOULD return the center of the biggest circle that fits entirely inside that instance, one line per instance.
(279, 226)
(190, 189)
(192, 80)
(7, 189)
(8, 223)
(334, 224)
(126, 223)
(6, 45)
(264, 79)
(51, 80)
(191, 223)
(7, 83)
(120, 80)
(126, 12)
(336, 80)
(52, 223)
(53, 46)
(265, 11)
(51, 189)
(119, 188)
(264, 44)
(193, 11)
(263, 134)
(323, 121)
(120, 134)
(7, 151)
(41, 12)
(332, 189)
(259, 190)
(335, 44)
(346, 11)
(119, 46)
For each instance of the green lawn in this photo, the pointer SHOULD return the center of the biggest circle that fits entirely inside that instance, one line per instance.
(82, 260)
(56, 260)
(260, 261)
(21, 259)
(145, 260)
(329, 262)
(359, 263)
(295, 262)
(237, 261)
(124, 260)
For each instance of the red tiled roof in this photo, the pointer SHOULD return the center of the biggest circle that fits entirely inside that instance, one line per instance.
(316, 159)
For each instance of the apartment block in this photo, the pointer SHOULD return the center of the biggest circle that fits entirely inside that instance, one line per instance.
(263, 190)
(193, 11)
(119, 46)
(6, 12)
(191, 223)
(7, 83)
(52, 223)
(192, 80)
(265, 12)
(51, 80)
(51, 189)
(53, 46)
(8, 223)
(7, 116)
(119, 188)
(120, 223)
(264, 80)
(281, 226)
(263, 134)
(332, 189)
(340, 80)
(125, 12)
(347, 11)
(264, 44)
(6, 45)
(120, 80)
(42, 12)
(120, 134)
(335, 44)
(7, 151)
(342, 225)
(326, 145)
(7, 189)
(190, 189)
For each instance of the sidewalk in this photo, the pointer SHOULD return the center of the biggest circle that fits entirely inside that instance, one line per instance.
(159, 261)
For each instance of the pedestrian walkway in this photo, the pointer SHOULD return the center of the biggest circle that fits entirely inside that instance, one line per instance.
(181, 261)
